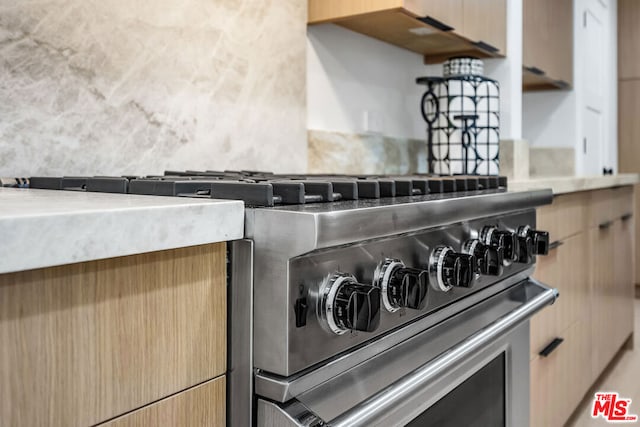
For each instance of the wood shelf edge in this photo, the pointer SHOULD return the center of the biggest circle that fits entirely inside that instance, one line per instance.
(311, 22)
(533, 82)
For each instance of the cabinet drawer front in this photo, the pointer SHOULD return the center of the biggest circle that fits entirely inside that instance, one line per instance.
(600, 208)
(624, 280)
(202, 406)
(612, 290)
(102, 338)
(622, 202)
(566, 269)
(609, 205)
(603, 296)
(565, 217)
(560, 380)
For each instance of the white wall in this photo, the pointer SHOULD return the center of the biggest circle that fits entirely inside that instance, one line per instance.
(508, 72)
(549, 118)
(555, 118)
(349, 74)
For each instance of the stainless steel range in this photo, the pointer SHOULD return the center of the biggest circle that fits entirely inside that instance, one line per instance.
(359, 301)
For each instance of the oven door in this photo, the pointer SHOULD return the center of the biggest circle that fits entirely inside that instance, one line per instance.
(471, 369)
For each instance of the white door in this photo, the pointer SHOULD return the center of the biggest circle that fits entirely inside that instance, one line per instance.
(593, 88)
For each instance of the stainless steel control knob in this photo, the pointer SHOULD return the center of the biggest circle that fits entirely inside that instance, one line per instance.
(489, 258)
(401, 286)
(448, 269)
(346, 305)
(539, 239)
(506, 240)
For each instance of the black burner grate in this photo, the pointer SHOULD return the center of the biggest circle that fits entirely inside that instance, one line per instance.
(268, 189)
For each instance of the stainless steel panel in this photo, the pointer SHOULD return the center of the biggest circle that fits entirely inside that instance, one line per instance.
(515, 347)
(394, 387)
(299, 229)
(292, 414)
(282, 389)
(240, 335)
(405, 399)
(283, 349)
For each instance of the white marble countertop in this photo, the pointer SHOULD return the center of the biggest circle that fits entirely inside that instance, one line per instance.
(43, 228)
(570, 184)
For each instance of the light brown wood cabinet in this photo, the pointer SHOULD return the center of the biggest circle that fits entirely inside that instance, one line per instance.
(629, 125)
(83, 343)
(612, 282)
(623, 275)
(573, 304)
(565, 217)
(603, 297)
(628, 39)
(593, 269)
(200, 406)
(547, 44)
(485, 21)
(629, 100)
(448, 12)
(438, 29)
(558, 382)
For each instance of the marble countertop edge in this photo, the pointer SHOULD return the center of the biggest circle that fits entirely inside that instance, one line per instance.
(571, 184)
(40, 229)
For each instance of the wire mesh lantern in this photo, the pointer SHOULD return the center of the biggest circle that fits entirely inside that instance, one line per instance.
(462, 112)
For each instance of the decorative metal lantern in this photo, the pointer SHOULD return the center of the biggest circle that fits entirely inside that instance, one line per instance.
(462, 112)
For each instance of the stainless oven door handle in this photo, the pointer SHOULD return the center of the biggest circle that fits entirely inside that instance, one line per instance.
(374, 408)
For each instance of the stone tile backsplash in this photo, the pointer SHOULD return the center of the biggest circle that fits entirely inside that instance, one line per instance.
(121, 87)
(552, 161)
(336, 152)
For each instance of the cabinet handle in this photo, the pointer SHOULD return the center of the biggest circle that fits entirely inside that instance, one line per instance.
(486, 46)
(626, 216)
(552, 346)
(435, 23)
(555, 245)
(535, 70)
(605, 225)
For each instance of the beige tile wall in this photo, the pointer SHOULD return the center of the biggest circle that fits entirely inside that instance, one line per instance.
(552, 161)
(335, 152)
(121, 86)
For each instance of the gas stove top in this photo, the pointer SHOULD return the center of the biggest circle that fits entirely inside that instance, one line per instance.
(338, 272)
(265, 189)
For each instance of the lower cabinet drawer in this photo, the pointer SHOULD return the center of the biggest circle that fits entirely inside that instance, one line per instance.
(610, 204)
(560, 380)
(566, 269)
(201, 406)
(622, 201)
(84, 343)
(565, 217)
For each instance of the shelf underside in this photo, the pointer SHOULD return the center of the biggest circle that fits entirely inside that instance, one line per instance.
(532, 81)
(403, 30)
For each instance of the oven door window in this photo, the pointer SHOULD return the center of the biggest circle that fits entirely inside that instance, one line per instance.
(478, 401)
